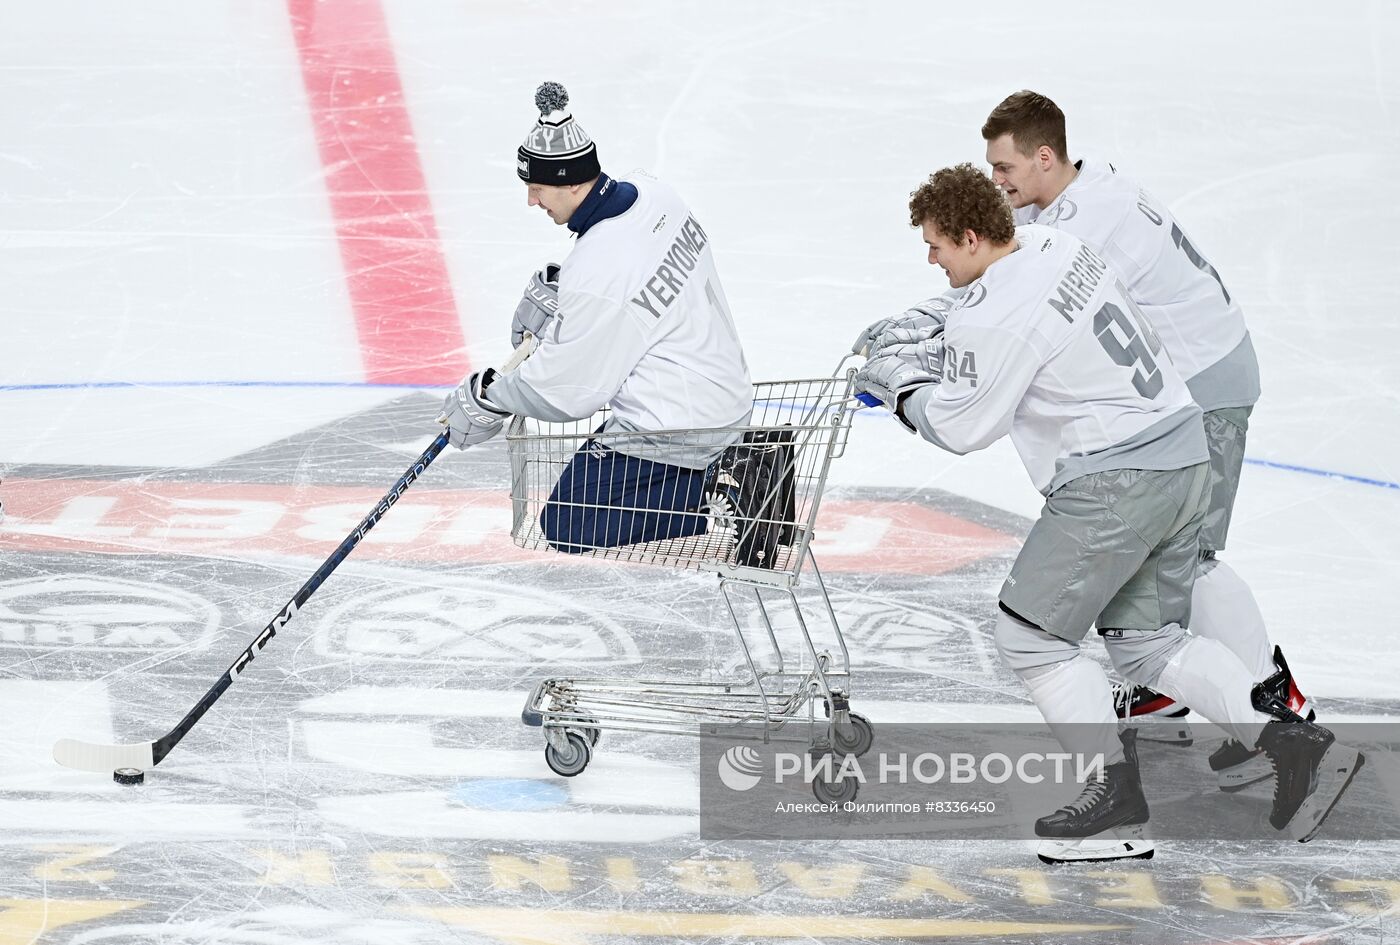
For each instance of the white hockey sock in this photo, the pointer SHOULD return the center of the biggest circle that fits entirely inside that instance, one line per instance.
(1208, 677)
(1224, 609)
(1077, 702)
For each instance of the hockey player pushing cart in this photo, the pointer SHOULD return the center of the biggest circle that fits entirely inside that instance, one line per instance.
(638, 436)
(1043, 345)
(1182, 297)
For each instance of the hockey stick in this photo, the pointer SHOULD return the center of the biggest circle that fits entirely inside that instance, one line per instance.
(89, 756)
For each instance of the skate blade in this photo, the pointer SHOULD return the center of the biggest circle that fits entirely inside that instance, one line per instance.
(1254, 771)
(1160, 730)
(1123, 843)
(1334, 775)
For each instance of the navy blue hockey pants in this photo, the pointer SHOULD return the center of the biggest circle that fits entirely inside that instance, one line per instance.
(605, 498)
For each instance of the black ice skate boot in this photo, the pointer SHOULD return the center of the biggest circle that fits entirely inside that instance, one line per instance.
(1238, 766)
(762, 469)
(1106, 821)
(1158, 718)
(1311, 768)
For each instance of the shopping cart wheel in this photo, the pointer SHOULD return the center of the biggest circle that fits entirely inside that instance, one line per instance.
(571, 761)
(835, 792)
(589, 727)
(854, 739)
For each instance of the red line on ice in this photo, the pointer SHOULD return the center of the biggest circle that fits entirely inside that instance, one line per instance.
(405, 313)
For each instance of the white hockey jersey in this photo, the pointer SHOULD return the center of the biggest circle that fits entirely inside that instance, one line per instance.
(643, 326)
(1176, 287)
(1046, 347)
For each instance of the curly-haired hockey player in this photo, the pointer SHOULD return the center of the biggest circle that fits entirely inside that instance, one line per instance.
(1045, 346)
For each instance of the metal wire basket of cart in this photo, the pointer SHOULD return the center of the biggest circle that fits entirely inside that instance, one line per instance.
(738, 502)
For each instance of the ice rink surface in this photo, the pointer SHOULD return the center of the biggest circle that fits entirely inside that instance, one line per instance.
(243, 248)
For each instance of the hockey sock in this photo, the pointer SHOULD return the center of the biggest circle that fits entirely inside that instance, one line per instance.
(1077, 702)
(1208, 677)
(1224, 609)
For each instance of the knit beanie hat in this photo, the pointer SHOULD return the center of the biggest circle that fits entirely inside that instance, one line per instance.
(557, 151)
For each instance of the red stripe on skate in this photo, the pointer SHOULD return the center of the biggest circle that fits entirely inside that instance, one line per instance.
(405, 314)
(1154, 705)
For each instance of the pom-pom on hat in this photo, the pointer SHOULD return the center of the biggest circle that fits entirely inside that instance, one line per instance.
(557, 150)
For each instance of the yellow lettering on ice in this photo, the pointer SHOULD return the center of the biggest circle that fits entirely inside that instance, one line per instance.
(1133, 890)
(717, 877)
(550, 873)
(308, 868)
(923, 880)
(411, 870)
(1266, 892)
(63, 869)
(1384, 898)
(1034, 885)
(824, 882)
(22, 921)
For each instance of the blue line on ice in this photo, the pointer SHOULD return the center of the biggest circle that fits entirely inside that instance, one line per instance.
(1346, 477)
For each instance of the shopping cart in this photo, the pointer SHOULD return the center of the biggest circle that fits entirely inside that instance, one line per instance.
(748, 518)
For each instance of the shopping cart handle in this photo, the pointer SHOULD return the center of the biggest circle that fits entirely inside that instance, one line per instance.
(870, 400)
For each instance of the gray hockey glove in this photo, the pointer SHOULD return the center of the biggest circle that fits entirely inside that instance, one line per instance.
(538, 305)
(900, 370)
(928, 314)
(470, 418)
(868, 334)
(895, 337)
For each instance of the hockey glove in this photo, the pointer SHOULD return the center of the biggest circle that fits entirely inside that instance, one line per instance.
(898, 371)
(928, 314)
(902, 337)
(538, 305)
(469, 416)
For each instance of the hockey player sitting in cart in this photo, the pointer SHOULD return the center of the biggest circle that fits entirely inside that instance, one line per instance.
(635, 320)
(1044, 346)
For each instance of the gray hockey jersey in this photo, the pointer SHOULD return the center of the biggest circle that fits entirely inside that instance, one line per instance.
(1048, 348)
(1175, 286)
(643, 327)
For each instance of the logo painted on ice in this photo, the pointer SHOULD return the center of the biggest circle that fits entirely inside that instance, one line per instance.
(920, 637)
(740, 768)
(472, 622)
(103, 613)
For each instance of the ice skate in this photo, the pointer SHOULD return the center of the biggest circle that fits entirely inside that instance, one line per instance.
(1311, 769)
(762, 470)
(1237, 766)
(721, 505)
(1119, 843)
(1156, 717)
(1105, 822)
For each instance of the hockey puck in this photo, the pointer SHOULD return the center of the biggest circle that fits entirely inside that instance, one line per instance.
(129, 776)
